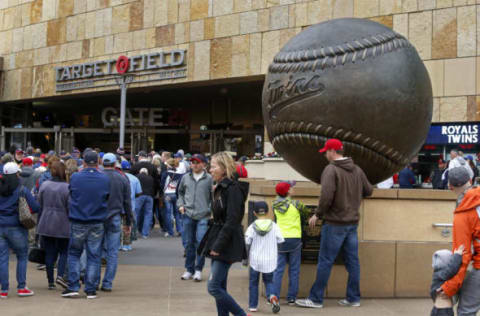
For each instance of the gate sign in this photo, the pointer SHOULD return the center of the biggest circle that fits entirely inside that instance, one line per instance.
(453, 133)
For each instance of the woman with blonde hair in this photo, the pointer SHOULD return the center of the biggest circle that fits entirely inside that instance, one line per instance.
(224, 242)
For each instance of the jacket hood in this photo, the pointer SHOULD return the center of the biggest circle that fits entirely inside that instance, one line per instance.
(26, 172)
(263, 226)
(244, 186)
(346, 164)
(281, 204)
(470, 200)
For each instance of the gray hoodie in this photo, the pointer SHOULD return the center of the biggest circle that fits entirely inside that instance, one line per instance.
(195, 196)
(29, 177)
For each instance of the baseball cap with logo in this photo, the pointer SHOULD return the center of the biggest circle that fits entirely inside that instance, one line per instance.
(109, 159)
(199, 158)
(90, 157)
(10, 168)
(332, 143)
(19, 151)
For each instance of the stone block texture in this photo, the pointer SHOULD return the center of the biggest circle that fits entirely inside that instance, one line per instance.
(229, 38)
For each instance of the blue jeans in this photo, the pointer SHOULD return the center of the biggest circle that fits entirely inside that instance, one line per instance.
(217, 287)
(253, 286)
(144, 210)
(111, 241)
(292, 257)
(55, 248)
(193, 232)
(336, 238)
(15, 238)
(89, 236)
(171, 210)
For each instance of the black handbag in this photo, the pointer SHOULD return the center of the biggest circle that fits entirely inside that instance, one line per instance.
(37, 255)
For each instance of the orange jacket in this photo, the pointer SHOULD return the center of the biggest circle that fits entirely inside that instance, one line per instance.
(466, 231)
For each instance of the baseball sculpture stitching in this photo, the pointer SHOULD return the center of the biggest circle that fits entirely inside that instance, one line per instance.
(351, 79)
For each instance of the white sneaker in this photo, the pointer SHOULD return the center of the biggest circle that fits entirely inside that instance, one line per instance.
(197, 277)
(186, 276)
(345, 302)
(253, 309)
(308, 303)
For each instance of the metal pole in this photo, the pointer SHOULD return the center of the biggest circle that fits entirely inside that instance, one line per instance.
(2, 139)
(123, 105)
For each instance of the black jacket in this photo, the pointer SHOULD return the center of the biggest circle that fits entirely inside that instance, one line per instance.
(147, 183)
(437, 182)
(152, 172)
(225, 234)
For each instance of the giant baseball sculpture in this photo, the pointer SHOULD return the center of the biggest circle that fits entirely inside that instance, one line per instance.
(351, 79)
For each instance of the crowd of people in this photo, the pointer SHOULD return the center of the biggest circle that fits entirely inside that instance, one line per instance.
(437, 179)
(91, 205)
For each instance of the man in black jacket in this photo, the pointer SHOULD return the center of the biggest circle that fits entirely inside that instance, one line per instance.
(119, 202)
(150, 181)
(437, 182)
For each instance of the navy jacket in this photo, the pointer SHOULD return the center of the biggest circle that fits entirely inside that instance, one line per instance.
(89, 191)
(406, 178)
(119, 199)
(9, 207)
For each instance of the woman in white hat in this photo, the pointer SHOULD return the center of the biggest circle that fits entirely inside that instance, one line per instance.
(12, 234)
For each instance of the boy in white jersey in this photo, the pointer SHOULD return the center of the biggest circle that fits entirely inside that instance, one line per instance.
(262, 236)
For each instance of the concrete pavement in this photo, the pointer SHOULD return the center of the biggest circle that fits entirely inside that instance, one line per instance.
(148, 283)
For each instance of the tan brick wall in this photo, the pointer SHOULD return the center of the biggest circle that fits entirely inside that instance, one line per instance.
(229, 38)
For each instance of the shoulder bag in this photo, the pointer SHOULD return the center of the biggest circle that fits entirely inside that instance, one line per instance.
(24, 215)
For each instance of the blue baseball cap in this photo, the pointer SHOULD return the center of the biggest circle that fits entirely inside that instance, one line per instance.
(126, 165)
(109, 159)
(101, 154)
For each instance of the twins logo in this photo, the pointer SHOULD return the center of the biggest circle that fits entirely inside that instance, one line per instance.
(281, 93)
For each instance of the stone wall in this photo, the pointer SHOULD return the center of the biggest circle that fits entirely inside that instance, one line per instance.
(396, 239)
(228, 38)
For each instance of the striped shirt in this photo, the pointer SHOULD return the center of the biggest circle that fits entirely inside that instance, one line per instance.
(263, 249)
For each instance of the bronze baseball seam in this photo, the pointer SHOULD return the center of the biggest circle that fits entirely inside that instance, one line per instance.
(340, 51)
(286, 128)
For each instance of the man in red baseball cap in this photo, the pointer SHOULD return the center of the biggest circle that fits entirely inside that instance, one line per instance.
(344, 185)
(28, 176)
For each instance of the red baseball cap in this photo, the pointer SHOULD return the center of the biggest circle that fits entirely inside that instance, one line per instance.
(27, 161)
(332, 143)
(282, 188)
